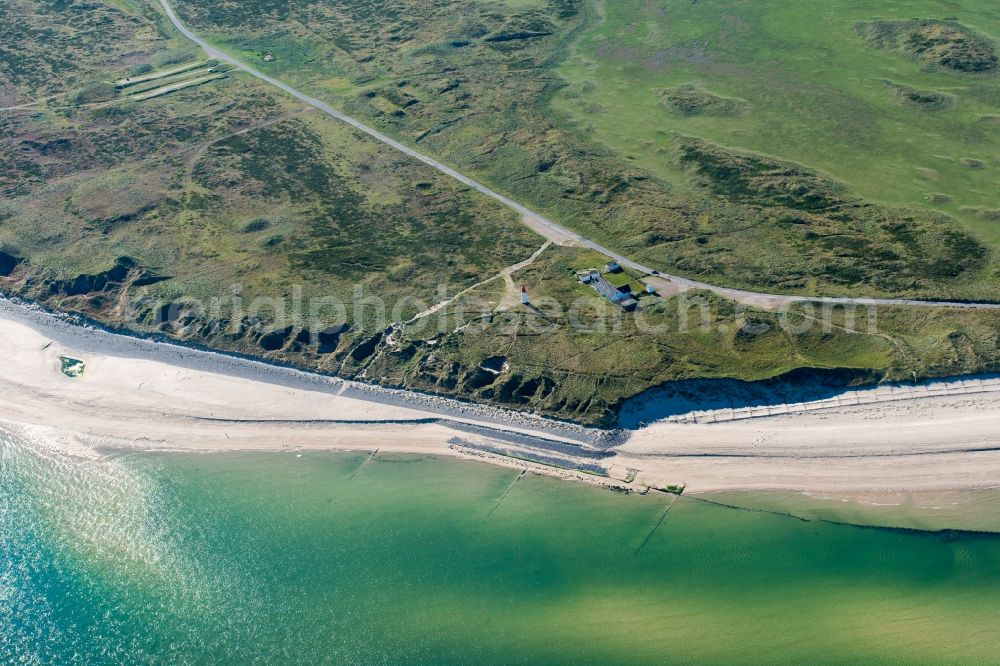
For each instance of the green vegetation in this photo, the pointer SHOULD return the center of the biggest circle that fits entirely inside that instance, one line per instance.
(688, 100)
(101, 91)
(578, 356)
(477, 83)
(825, 234)
(139, 70)
(816, 94)
(685, 143)
(925, 100)
(56, 46)
(938, 43)
(71, 367)
(154, 201)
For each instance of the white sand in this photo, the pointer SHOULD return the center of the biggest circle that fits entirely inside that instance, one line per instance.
(927, 444)
(156, 405)
(130, 403)
(921, 444)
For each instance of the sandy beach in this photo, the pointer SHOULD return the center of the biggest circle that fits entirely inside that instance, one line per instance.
(921, 444)
(124, 399)
(141, 403)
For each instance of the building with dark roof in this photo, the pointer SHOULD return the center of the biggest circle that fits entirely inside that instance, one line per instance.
(608, 290)
(622, 295)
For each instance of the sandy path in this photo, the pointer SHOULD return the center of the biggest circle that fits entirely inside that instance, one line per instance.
(504, 274)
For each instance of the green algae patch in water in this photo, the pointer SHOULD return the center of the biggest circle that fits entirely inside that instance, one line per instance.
(72, 367)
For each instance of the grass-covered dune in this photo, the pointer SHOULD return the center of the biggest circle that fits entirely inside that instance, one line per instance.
(895, 108)
(137, 212)
(583, 362)
(581, 109)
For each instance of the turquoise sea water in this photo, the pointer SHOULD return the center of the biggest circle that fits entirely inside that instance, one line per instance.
(285, 557)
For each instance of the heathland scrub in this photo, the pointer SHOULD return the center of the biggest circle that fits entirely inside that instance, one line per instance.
(813, 91)
(134, 213)
(539, 223)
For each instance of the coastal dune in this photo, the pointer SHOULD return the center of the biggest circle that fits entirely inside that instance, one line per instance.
(125, 398)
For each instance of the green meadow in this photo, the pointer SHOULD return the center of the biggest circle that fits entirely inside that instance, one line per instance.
(858, 151)
(812, 91)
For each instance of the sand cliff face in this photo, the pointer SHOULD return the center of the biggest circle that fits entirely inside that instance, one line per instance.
(136, 394)
(113, 298)
(119, 298)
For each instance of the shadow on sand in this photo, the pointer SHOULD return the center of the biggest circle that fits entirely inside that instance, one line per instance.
(802, 385)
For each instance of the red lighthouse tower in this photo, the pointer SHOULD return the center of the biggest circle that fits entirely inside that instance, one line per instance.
(524, 294)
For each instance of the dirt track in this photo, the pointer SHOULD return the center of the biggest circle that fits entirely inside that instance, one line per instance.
(552, 230)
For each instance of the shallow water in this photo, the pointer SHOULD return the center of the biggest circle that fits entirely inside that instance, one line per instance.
(940, 510)
(271, 558)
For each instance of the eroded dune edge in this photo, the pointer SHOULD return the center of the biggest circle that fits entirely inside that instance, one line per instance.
(83, 390)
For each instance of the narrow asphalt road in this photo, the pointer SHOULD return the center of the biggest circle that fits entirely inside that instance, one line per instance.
(552, 230)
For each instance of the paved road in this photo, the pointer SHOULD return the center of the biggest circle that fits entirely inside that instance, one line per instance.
(546, 227)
